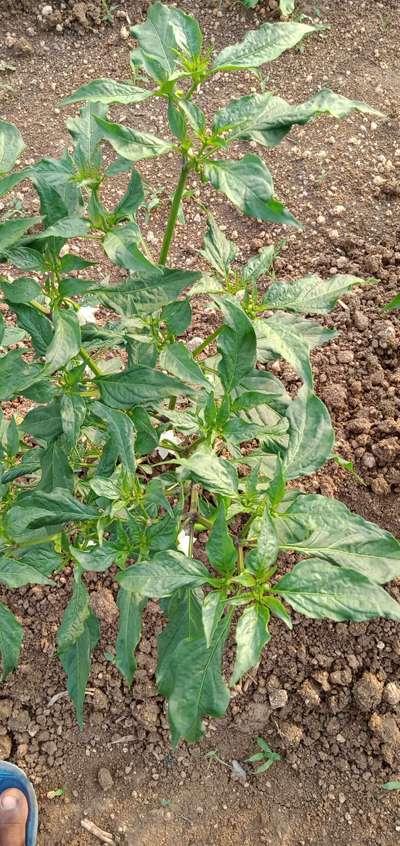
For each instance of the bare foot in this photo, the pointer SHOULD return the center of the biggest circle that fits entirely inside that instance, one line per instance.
(13, 817)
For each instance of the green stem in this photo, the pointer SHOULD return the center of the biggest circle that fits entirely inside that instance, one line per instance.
(173, 215)
(89, 361)
(207, 341)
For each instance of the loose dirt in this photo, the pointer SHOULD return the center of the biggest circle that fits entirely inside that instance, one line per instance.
(337, 726)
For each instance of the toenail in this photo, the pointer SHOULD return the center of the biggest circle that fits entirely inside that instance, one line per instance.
(9, 803)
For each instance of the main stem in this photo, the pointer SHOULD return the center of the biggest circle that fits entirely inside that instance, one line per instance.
(173, 215)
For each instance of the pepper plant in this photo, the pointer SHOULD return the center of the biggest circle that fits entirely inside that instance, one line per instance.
(134, 443)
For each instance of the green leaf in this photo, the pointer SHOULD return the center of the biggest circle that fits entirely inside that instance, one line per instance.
(132, 199)
(146, 435)
(217, 249)
(76, 663)
(38, 326)
(221, 550)
(267, 119)
(129, 632)
(75, 616)
(178, 316)
(322, 526)
(56, 470)
(12, 438)
(29, 463)
(311, 295)
(42, 558)
(215, 474)
(71, 262)
(212, 610)
(43, 422)
(166, 31)
(11, 637)
(161, 288)
(72, 415)
(16, 573)
(26, 259)
(321, 590)
(21, 290)
(194, 116)
(131, 144)
(16, 375)
(237, 345)
(66, 340)
(262, 45)
(258, 265)
(97, 559)
(120, 246)
(139, 386)
(189, 672)
(286, 7)
(53, 177)
(184, 614)
(12, 231)
(39, 509)
(178, 360)
(252, 635)
(163, 574)
(11, 145)
(393, 304)
(176, 120)
(107, 91)
(248, 185)
(87, 135)
(311, 436)
(266, 552)
(292, 338)
(122, 433)
(391, 785)
(105, 488)
(65, 227)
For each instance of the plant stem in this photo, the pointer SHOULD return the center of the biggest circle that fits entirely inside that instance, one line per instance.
(173, 215)
(89, 361)
(207, 341)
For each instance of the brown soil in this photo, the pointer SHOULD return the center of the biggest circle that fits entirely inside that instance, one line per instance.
(338, 730)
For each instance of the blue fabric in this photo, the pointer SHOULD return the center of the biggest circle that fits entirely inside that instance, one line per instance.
(12, 776)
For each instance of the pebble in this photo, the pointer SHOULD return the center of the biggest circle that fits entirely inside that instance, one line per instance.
(278, 698)
(360, 320)
(105, 779)
(368, 692)
(391, 693)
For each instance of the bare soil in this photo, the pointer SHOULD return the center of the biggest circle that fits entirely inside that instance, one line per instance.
(337, 729)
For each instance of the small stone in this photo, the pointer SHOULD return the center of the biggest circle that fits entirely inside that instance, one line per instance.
(340, 738)
(342, 798)
(124, 33)
(342, 262)
(100, 701)
(358, 425)
(278, 698)
(292, 733)
(391, 694)
(104, 605)
(5, 746)
(6, 707)
(341, 677)
(309, 693)
(385, 726)
(105, 779)
(335, 395)
(345, 356)
(47, 11)
(147, 713)
(368, 691)
(379, 486)
(360, 320)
